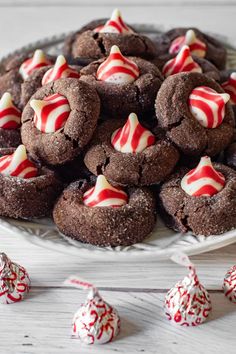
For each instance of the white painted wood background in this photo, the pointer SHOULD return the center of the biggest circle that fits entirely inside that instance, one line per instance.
(41, 324)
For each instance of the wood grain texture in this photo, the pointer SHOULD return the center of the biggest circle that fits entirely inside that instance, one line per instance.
(43, 325)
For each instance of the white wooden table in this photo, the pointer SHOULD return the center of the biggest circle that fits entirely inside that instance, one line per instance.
(41, 323)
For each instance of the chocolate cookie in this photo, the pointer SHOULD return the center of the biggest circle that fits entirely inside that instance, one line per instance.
(208, 69)
(215, 51)
(9, 138)
(230, 155)
(183, 129)
(201, 215)
(11, 78)
(148, 167)
(228, 86)
(121, 99)
(105, 226)
(90, 44)
(28, 198)
(65, 143)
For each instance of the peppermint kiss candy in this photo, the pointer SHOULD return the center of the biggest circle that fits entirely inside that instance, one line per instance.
(188, 302)
(37, 61)
(51, 113)
(203, 180)
(208, 106)
(10, 116)
(230, 87)
(132, 137)
(196, 46)
(229, 285)
(181, 63)
(96, 322)
(104, 195)
(114, 25)
(18, 164)
(60, 70)
(117, 69)
(14, 281)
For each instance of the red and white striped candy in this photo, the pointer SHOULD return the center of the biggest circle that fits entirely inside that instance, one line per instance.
(14, 281)
(208, 106)
(51, 113)
(196, 46)
(230, 87)
(18, 164)
(60, 70)
(203, 180)
(96, 322)
(132, 137)
(117, 69)
(10, 116)
(188, 303)
(114, 25)
(183, 62)
(37, 61)
(229, 285)
(104, 195)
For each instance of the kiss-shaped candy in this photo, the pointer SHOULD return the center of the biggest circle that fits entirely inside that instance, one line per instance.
(18, 164)
(60, 70)
(132, 137)
(230, 87)
(104, 195)
(188, 303)
(117, 69)
(208, 106)
(183, 62)
(204, 180)
(10, 116)
(51, 113)
(114, 25)
(229, 285)
(196, 46)
(96, 321)
(37, 61)
(14, 281)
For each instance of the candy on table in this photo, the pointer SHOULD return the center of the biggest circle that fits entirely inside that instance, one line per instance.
(229, 285)
(114, 25)
(230, 87)
(183, 62)
(203, 180)
(117, 69)
(132, 137)
(38, 60)
(51, 113)
(208, 106)
(104, 195)
(95, 322)
(14, 281)
(196, 46)
(60, 70)
(10, 116)
(18, 164)
(188, 302)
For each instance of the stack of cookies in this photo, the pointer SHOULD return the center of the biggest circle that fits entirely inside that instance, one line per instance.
(120, 129)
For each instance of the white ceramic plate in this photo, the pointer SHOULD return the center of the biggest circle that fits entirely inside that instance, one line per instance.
(159, 245)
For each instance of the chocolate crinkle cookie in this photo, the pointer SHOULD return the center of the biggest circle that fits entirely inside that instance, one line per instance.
(17, 68)
(121, 225)
(228, 83)
(199, 214)
(185, 109)
(27, 198)
(55, 137)
(149, 165)
(137, 96)
(200, 43)
(90, 43)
